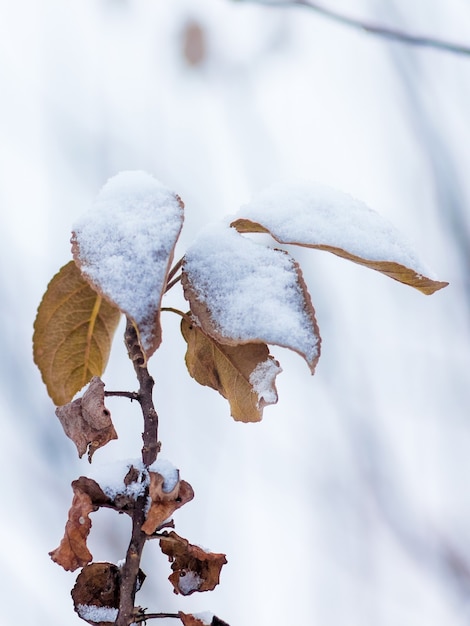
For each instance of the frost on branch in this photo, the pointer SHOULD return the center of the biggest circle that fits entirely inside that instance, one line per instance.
(241, 292)
(86, 421)
(125, 246)
(315, 216)
(243, 374)
(194, 569)
(73, 331)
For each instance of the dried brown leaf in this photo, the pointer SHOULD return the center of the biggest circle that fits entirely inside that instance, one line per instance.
(125, 245)
(243, 374)
(96, 593)
(164, 504)
(194, 569)
(73, 333)
(87, 421)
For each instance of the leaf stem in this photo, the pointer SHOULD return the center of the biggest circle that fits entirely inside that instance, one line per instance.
(132, 395)
(172, 283)
(174, 269)
(144, 618)
(178, 312)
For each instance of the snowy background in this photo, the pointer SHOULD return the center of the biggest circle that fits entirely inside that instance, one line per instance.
(349, 504)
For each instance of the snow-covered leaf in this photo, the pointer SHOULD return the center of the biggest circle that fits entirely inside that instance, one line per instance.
(243, 374)
(315, 216)
(124, 246)
(73, 332)
(194, 568)
(87, 421)
(241, 292)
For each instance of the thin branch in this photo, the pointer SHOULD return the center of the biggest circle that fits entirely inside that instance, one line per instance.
(376, 29)
(130, 569)
(150, 435)
(146, 616)
(132, 395)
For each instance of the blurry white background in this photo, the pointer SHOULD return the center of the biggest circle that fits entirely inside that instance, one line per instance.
(349, 504)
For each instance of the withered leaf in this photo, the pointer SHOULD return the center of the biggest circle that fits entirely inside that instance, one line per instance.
(243, 374)
(73, 332)
(96, 593)
(189, 619)
(163, 504)
(73, 551)
(194, 569)
(314, 216)
(87, 421)
(124, 246)
(241, 292)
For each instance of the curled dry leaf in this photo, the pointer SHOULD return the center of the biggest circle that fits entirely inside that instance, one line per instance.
(242, 374)
(194, 569)
(73, 551)
(314, 216)
(73, 332)
(125, 245)
(163, 504)
(87, 421)
(200, 619)
(96, 593)
(241, 292)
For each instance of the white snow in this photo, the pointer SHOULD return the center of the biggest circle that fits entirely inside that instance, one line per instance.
(126, 242)
(251, 291)
(168, 471)
(97, 613)
(205, 617)
(312, 214)
(262, 380)
(110, 476)
(191, 581)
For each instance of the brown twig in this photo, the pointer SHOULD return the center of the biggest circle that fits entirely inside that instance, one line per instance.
(146, 616)
(130, 569)
(376, 29)
(132, 395)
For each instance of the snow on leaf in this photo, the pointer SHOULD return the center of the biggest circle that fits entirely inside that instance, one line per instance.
(241, 292)
(194, 569)
(124, 247)
(164, 503)
(73, 332)
(96, 593)
(243, 374)
(315, 216)
(87, 421)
